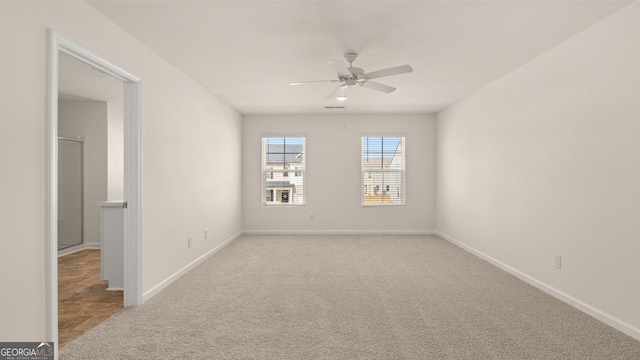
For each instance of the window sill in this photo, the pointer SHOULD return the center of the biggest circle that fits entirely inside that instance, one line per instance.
(382, 205)
(282, 205)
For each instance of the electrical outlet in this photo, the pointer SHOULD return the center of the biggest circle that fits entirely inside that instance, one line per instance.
(189, 242)
(557, 261)
(310, 217)
(206, 233)
(442, 219)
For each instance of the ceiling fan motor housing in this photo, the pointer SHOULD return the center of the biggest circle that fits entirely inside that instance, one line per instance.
(357, 72)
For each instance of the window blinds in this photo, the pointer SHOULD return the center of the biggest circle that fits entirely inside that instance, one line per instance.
(383, 170)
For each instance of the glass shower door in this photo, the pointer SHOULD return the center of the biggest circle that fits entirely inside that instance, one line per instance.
(69, 193)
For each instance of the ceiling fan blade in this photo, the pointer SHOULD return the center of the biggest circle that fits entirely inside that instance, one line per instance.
(388, 72)
(340, 66)
(377, 86)
(311, 82)
(339, 91)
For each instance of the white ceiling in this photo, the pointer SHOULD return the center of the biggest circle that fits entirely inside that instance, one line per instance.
(248, 52)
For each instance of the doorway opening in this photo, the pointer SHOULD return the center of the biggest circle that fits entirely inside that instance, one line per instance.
(131, 184)
(90, 169)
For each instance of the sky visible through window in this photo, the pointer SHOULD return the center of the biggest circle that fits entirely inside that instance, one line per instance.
(282, 140)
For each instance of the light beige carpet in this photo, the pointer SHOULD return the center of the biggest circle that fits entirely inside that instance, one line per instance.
(350, 297)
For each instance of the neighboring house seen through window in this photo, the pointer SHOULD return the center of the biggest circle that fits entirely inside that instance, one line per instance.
(383, 170)
(283, 169)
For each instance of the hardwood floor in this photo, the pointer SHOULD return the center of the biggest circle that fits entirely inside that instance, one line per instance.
(83, 301)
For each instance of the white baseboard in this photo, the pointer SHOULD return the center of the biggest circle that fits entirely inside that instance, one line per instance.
(76, 248)
(339, 232)
(578, 304)
(162, 285)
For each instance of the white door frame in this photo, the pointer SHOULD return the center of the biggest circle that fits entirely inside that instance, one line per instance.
(132, 176)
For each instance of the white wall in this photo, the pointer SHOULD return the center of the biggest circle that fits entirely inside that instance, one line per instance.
(546, 161)
(89, 120)
(191, 150)
(332, 174)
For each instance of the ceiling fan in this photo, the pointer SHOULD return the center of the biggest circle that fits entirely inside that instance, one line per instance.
(352, 76)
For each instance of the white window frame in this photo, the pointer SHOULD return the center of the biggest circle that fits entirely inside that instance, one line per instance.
(367, 172)
(291, 170)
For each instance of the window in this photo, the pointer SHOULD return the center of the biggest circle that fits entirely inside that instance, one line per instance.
(282, 156)
(383, 169)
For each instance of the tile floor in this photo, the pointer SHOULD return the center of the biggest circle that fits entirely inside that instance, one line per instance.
(83, 301)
